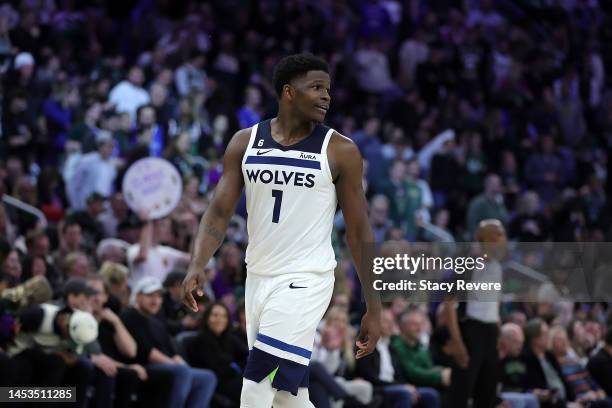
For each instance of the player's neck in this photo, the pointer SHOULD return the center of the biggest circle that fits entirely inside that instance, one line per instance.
(290, 129)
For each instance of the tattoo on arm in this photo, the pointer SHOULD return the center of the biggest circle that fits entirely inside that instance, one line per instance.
(215, 233)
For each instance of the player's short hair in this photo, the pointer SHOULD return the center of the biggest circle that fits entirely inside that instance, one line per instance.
(295, 66)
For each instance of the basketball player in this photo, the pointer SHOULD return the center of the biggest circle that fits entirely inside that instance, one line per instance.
(295, 171)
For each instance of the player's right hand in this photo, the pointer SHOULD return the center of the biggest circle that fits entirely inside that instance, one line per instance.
(195, 279)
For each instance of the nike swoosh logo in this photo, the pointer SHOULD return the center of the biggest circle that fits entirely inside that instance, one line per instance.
(259, 152)
(292, 286)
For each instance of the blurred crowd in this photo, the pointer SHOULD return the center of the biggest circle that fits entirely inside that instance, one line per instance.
(463, 110)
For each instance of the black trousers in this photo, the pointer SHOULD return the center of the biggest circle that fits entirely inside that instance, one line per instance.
(479, 380)
(118, 391)
(32, 367)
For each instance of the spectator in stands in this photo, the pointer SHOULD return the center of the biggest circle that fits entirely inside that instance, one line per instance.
(44, 329)
(33, 266)
(128, 95)
(381, 368)
(379, 217)
(112, 216)
(83, 133)
(147, 132)
(77, 264)
(215, 348)
(192, 387)
(529, 224)
(116, 281)
(488, 205)
(111, 377)
(37, 244)
(113, 250)
(191, 77)
(600, 364)
(545, 170)
(177, 316)
(229, 274)
(149, 257)
(513, 368)
(59, 110)
(414, 358)
(10, 264)
(580, 386)
(333, 350)
(405, 197)
(94, 173)
(18, 130)
(543, 375)
(250, 113)
(71, 240)
(475, 163)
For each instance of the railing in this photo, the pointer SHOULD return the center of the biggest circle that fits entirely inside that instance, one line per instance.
(20, 205)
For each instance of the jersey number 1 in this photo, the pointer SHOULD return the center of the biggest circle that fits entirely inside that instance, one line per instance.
(278, 199)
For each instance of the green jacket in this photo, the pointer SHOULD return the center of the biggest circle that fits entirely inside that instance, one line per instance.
(416, 364)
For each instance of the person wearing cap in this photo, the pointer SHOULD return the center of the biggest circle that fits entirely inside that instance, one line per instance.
(77, 295)
(112, 353)
(22, 75)
(94, 173)
(192, 387)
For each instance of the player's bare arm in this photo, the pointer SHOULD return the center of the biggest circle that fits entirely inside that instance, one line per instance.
(216, 218)
(347, 169)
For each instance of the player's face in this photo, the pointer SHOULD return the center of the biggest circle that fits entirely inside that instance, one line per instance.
(311, 97)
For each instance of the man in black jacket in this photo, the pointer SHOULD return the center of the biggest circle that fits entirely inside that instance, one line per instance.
(192, 387)
(600, 365)
(543, 375)
(380, 368)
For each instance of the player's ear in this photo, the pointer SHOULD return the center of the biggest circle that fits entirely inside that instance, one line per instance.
(288, 91)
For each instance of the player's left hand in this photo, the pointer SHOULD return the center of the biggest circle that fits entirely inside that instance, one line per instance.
(368, 333)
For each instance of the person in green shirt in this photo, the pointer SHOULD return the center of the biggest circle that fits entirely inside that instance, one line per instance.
(405, 196)
(414, 357)
(487, 205)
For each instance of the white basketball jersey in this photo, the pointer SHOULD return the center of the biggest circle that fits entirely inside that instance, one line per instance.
(291, 202)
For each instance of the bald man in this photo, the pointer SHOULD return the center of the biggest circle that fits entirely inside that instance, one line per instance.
(511, 339)
(474, 335)
(513, 369)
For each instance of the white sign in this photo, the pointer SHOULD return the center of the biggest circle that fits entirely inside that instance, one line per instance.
(152, 185)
